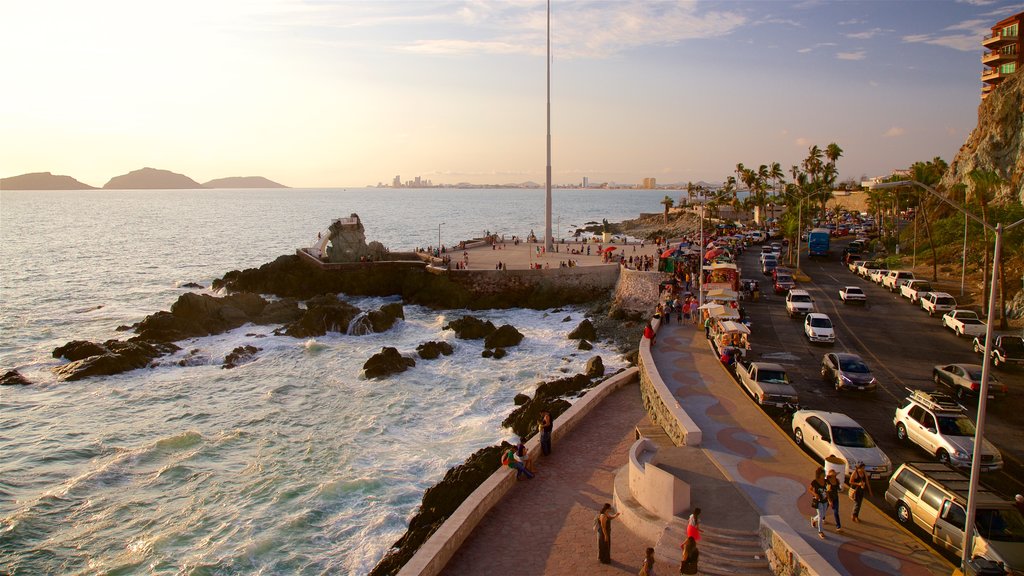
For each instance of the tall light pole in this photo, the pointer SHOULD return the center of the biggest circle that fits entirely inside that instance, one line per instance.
(439, 238)
(986, 366)
(700, 254)
(547, 187)
(963, 267)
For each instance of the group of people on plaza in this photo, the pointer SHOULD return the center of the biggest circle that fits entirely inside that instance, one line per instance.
(517, 457)
(690, 556)
(825, 490)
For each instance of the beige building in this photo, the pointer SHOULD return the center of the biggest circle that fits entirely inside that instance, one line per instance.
(1004, 53)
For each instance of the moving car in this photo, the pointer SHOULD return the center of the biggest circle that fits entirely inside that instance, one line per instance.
(852, 294)
(935, 498)
(964, 322)
(933, 302)
(1006, 349)
(847, 371)
(799, 302)
(941, 427)
(783, 283)
(964, 380)
(834, 434)
(818, 328)
(767, 382)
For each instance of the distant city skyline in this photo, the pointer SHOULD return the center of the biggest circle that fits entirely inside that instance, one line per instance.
(343, 93)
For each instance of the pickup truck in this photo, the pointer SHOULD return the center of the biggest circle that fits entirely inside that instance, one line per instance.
(963, 322)
(1006, 349)
(915, 289)
(852, 294)
(867, 266)
(876, 275)
(767, 382)
(893, 279)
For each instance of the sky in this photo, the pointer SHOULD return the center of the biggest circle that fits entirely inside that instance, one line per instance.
(344, 94)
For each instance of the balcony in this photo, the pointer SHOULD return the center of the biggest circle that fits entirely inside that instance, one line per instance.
(997, 57)
(992, 75)
(997, 40)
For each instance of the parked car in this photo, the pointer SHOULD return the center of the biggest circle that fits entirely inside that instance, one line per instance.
(934, 498)
(1006, 349)
(854, 264)
(877, 274)
(767, 382)
(847, 371)
(799, 302)
(941, 427)
(893, 278)
(964, 322)
(852, 294)
(964, 380)
(867, 266)
(834, 434)
(818, 328)
(933, 302)
(915, 289)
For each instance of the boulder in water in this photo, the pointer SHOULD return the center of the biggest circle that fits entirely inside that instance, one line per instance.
(386, 362)
(521, 399)
(323, 314)
(487, 353)
(595, 367)
(13, 378)
(191, 285)
(433, 349)
(503, 337)
(239, 356)
(78, 349)
(382, 320)
(499, 353)
(471, 328)
(585, 345)
(584, 331)
(117, 357)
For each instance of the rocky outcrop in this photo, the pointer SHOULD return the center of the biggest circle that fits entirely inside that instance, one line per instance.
(503, 337)
(191, 285)
(584, 331)
(585, 345)
(382, 320)
(548, 396)
(996, 144)
(433, 349)
(13, 378)
(151, 179)
(471, 328)
(42, 181)
(594, 368)
(387, 362)
(194, 315)
(78, 349)
(439, 502)
(117, 356)
(323, 314)
(240, 355)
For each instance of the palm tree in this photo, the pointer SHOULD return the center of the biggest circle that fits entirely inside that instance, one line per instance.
(776, 174)
(668, 202)
(986, 182)
(690, 189)
(833, 152)
(928, 173)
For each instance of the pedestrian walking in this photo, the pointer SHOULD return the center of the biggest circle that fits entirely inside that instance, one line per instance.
(647, 568)
(690, 556)
(545, 426)
(604, 534)
(833, 485)
(819, 500)
(858, 486)
(693, 525)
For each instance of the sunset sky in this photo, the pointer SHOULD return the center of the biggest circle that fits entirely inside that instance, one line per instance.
(331, 93)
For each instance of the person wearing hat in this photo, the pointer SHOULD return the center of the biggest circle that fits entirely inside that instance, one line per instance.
(833, 484)
(858, 485)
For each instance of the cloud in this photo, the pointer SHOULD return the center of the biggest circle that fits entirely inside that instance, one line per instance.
(816, 46)
(867, 34)
(856, 55)
(964, 36)
(805, 50)
(802, 142)
(852, 22)
(894, 132)
(977, 2)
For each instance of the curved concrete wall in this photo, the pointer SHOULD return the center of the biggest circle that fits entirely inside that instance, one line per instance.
(435, 553)
(658, 491)
(661, 403)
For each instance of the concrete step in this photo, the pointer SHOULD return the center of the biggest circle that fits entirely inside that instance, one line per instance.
(723, 551)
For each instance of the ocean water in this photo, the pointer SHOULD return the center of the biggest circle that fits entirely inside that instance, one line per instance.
(289, 464)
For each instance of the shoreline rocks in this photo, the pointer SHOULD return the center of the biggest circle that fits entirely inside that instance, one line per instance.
(433, 349)
(387, 362)
(14, 378)
(240, 355)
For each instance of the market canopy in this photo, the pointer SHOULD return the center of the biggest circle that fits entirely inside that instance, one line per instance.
(730, 326)
(721, 294)
(710, 306)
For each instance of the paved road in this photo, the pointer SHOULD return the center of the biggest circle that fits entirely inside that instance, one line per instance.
(900, 342)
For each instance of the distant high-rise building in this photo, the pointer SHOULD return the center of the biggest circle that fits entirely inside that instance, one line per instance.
(397, 182)
(1004, 53)
(650, 183)
(586, 182)
(416, 183)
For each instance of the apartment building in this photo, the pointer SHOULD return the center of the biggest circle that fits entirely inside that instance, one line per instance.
(1004, 53)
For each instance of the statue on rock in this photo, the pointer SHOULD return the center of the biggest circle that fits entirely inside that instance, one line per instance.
(348, 242)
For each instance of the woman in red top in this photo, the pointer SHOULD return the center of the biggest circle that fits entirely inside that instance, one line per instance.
(649, 332)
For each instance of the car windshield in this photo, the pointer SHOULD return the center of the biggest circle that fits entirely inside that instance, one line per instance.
(782, 279)
(800, 298)
(956, 426)
(945, 302)
(923, 288)
(853, 365)
(772, 376)
(1014, 346)
(821, 322)
(853, 291)
(1004, 525)
(852, 437)
(974, 373)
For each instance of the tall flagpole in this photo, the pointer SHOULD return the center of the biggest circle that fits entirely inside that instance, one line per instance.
(548, 244)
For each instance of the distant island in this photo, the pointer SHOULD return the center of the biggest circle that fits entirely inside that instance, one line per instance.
(42, 181)
(242, 182)
(142, 179)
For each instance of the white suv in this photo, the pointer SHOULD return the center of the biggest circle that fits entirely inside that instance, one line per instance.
(939, 425)
(799, 302)
(940, 302)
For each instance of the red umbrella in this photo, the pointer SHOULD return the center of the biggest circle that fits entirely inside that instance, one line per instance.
(610, 248)
(713, 253)
(668, 252)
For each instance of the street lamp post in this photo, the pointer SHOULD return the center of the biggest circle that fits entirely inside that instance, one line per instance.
(439, 237)
(700, 254)
(986, 366)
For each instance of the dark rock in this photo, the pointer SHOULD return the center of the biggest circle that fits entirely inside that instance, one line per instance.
(499, 353)
(194, 315)
(323, 315)
(585, 345)
(118, 357)
(439, 502)
(567, 319)
(239, 356)
(521, 399)
(523, 420)
(585, 331)
(487, 353)
(280, 312)
(386, 362)
(123, 328)
(632, 356)
(471, 328)
(13, 378)
(78, 349)
(570, 386)
(595, 367)
(193, 358)
(503, 337)
(382, 320)
(433, 349)
(191, 285)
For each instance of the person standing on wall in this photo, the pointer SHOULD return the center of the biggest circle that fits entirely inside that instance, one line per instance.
(604, 534)
(545, 424)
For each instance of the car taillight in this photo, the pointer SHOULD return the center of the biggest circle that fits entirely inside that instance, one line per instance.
(975, 386)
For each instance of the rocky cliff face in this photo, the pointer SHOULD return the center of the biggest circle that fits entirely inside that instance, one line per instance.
(997, 143)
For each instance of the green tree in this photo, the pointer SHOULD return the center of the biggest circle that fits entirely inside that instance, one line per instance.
(986, 183)
(668, 202)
